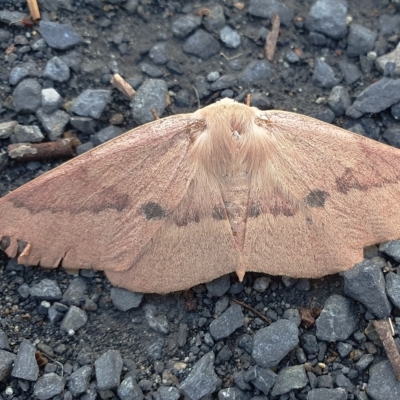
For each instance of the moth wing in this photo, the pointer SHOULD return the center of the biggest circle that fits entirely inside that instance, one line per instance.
(101, 209)
(329, 194)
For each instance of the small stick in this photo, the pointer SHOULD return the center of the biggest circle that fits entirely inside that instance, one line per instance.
(248, 99)
(123, 86)
(272, 38)
(383, 330)
(34, 9)
(63, 148)
(262, 316)
(155, 115)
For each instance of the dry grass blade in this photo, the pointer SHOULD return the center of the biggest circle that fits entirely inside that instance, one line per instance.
(262, 316)
(272, 38)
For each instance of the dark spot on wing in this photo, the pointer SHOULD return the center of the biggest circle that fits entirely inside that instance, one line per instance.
(348, 181)
(186, 218)
(106, 200)
(219, 213)
(153, 211)
(21, 244)
(255, 210)
(316, 198)
(5, 243)
(280, 205)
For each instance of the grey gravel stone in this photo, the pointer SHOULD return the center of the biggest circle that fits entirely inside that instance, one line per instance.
(25, 365)
(159, 53)
(202, 380)
(323, 75)
(54, 123)
(46, 289)
(91, 103)
(382, 384)
(84, 124)
(327, 394)
(48, 386)
(56, 70)
(108, 370)
(309, 344)
(79, 380)
(339, 100)
(218, 287)
(391, 136)
(227, 323)
(28, 133)
(185, 25)
(360, 41)
(84, 147)
(365, 283)
(215, 19)
(376, 97)
(4, 344)
(151, 70)
(106, 134)
(124, 300)
(130, 390)
(261, 284)
(338, 319)
(167, 393)
(51, 100)
(152, 94)
(74, 319)
(154, 351)
(233, 393)
(293, 315)
(201, 44)
(290, 378)
(350, 72)
(229, 37)
(6, 363)
(392, 57)
(20, 72)
(257, 72)
(344, 349)
(262, 378)
(75, 293)
(268, 8)
(156, 321)
(364, 361)
(57, 312)
(59, 36)
(329, 18)
(273, 343)
(27, 96)
(391, 248)
(393, 288)
(7, 129)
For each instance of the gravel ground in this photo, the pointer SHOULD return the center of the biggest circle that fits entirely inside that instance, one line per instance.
(69, 337)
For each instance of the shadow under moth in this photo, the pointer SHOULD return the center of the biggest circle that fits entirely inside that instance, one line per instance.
(188, 198)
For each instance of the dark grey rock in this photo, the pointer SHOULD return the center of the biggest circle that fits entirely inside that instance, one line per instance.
(159, 53)
(245, 342)
(365, 283)
(394, 110)
(227, 323)
(328, 116)
(57, 312)
(339, 100)
(215, 19)
(28, 133)
(389, 24)
(323, 75)
(262, 378)
(4, 344)
(156, 321)
(344, 382)
(293, 315)
(152, 94)
(75, 293)
(53, 123)
(11, 17)
(338, 319)
(233, 393)
(51, 100)
(74, 319)
(290, 378)
(360, 41)
(185, 25)
(224, 354)
(325, 381)
(382, 384)
(327, 394)
(182, 335)
(202, 380)
(218, 287)
(292, 57)
(46, 289)
(344, 349)
(6, 363)
(84, 124)
(391, 58)
(108, 370)
(350, 72)
(167, 393)
(328, 18)
(309, 344)
(376, 97)
(91, 103)
(257, 72)
(391, 248)
(182, 98)
(106, 134)
(130, 390)
(25, 365)
(56, 70)
(229, 37)
(79, 380)
(59, 36)
(154, 351)
(239, 379)
(22, 71)
(124, 300)
(268, 8)
(273, 343)
(364, 362)
(317, 39)
(7, 129)
(84, 147)
(202, 86)
(393, 288)
(151, 70)
(225, 81)
(201, 44)
(48, 386)
(27, 96)
(392, 136)
(261, 284)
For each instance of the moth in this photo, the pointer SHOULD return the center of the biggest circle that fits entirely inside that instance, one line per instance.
(188, 198)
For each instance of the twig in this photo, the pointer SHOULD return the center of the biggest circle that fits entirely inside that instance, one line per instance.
(230, 58)
(123, 86)
(34, 9)
(248, 99)
(197, 97)
(383, 330)
(262, 316)
(272, 38)
(55, 361)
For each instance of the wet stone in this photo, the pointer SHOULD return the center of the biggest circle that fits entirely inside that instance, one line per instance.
(273, 343)
(229, 37)
(56, 70)
(360, 40)
(338, 319)
(106, 134)
(74, 319)
(218, 287)
(327, 394)
(48, 386)
(393, 288)
(51, 100)
(53, 123)
(227, 323)
(46, 289)
(129, 390)
(329, 18)
(27, 96)
(324, 76)
(339, 100)
(25, 365)
(75, 293)
(257, 72)
(28, 133)
(201, 44)
(108, 370)
(290, 378)
(6, 363)
(391, 248)
(91, 103)
(59, 36)
(185, 25)
(268, 8)
(79, 380)
(262, 378)
(156, 321)
(124, 300)
(202, 380)
(365, 283)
